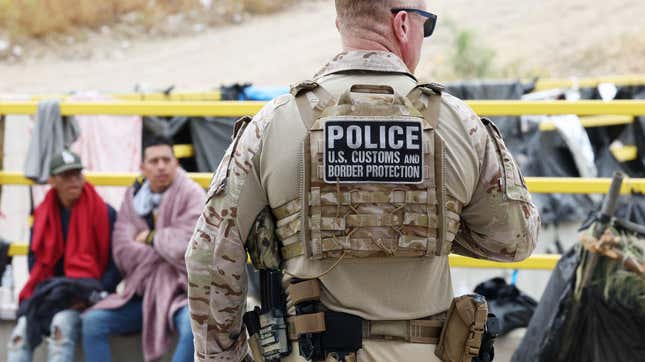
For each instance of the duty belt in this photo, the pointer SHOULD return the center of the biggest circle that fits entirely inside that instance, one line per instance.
(425, 330)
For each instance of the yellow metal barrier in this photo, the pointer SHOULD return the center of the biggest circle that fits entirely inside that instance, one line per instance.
(559, 185)
(184, 151)
(16, 249)
(621, 80)
(236, 109)
(541, 84)
(143, 108)
(582, 108)
(622, 154)
(178, 96)
(155, 96)
(98, 178)
(536, 262)
(593, 121)
(625, 153)
(548, 185)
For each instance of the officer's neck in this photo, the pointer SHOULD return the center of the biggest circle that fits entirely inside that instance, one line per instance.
(370, 42)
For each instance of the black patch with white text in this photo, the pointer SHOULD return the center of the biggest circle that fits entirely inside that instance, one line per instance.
(373, 152)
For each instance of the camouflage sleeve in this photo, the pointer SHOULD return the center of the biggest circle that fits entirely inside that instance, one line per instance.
(501, 222)
(216, 258)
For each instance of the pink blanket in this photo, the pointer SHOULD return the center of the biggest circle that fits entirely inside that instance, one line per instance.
(157, 273)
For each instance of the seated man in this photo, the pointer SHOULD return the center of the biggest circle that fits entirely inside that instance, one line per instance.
(70, 244)
(152, 230)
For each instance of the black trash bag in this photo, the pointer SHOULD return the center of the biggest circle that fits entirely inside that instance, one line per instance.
(542, 338)
(602, 326)
(513, 308)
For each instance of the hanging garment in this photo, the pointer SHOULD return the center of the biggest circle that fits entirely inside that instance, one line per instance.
(108, 144)
(51, 134)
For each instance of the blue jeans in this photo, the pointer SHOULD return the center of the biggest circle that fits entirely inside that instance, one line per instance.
(64, 330)
(99, 325)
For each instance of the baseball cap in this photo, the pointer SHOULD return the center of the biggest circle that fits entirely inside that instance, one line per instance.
(64, 161)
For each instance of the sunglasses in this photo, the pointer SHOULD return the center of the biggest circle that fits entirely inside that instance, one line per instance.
(430, 23)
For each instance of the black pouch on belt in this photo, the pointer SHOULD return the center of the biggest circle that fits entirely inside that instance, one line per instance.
(344, 334)
(341, 337)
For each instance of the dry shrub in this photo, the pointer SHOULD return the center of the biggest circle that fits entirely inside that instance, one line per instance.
(37, 18)
(265, 6)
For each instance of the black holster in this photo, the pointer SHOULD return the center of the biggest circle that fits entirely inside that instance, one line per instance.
(342, 335)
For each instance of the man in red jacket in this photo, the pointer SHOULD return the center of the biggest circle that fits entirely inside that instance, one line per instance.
(70, 239)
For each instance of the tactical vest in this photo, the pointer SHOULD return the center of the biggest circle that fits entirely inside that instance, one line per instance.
(373, 181)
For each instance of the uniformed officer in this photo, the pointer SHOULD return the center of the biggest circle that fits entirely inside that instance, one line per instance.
(373, 179)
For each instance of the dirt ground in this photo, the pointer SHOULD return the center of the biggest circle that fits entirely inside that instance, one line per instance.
(546, 37)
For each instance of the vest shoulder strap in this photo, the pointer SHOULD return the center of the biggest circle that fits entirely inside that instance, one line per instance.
(426, 98)
(311, 100)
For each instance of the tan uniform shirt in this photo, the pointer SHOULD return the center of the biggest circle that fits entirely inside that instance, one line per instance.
(262, 166)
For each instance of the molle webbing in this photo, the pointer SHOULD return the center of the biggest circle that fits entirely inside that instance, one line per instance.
(365, 220)
(288, 216)
(427, 99)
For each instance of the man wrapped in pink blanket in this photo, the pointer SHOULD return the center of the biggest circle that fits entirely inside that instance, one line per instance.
(153, 227)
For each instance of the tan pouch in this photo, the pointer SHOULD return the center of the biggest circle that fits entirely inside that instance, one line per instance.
(462, 333)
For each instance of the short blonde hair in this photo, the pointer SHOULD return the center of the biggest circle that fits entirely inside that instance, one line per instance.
(349, 11)
(353, 13)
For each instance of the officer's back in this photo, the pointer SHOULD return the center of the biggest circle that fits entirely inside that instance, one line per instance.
(373, 180)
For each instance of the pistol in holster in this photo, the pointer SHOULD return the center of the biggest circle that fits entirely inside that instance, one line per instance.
(266, 325)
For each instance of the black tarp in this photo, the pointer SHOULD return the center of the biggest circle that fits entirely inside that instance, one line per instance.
(632, 134)
(542, 336)
(510, 126)
(545, 154)
(604, 329)
(549, 156)
(5, 259)
(539, 154)
(603, 321)
(632, 209)
(211, 137)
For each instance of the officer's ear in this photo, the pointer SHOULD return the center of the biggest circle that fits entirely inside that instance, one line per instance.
(401, 26)
(337, 25)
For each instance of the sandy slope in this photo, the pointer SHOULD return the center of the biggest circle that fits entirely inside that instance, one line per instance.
(551, 37)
